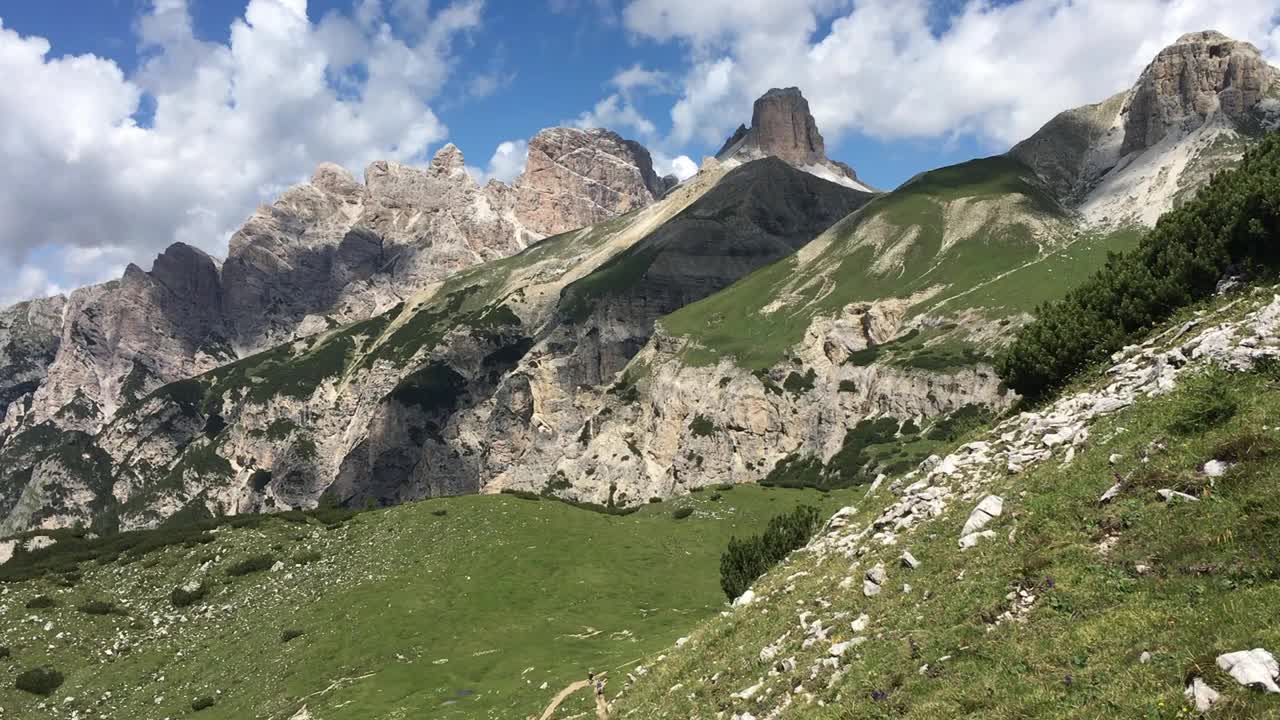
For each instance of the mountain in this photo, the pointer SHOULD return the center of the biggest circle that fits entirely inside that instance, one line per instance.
(1112, 546)
(756, 323)
(1193, 111)
(1041, 569)
(326, 253)
(783, 127)
(29, 336)
(849, 359)
(430, 397)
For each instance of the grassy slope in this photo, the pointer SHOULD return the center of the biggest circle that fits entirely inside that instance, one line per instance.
(1213, 587)
(731, 322)
(437, 615)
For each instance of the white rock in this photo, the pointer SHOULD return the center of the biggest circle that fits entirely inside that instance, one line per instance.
(1171, 495)
(909, 560)
(748, 693)
(1111, 494)
(990, 508)
(838, 649)
(1200, 695)
(969, 541)
(861, 623)
(1215, 468)
(1252, 667)
(278, 566)
(1115, 458)
(745, 599)
(875, 577)
(1145, 657)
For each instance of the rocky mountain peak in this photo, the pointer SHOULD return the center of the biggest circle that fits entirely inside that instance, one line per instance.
(1195, 108)
(1201, 74)
(331, 177)
(783, 127)
(187, 272)
(574, 178)
(448, 161)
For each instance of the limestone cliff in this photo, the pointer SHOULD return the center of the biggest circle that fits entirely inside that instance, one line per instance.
(783, 127)
(327, 253)
(1192, 112)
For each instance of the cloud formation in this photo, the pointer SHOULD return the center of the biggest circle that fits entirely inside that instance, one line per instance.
(891, 70)
(232, 125)
(505, 164)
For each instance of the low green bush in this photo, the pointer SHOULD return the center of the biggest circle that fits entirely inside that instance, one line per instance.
(202, 703)
(39, 681)
(681, 513)
(1204, 401)
(41, 602)
(99, 607)
(290, 634)
(256, 563)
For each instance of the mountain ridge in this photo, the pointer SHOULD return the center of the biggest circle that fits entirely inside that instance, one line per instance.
(634, 358)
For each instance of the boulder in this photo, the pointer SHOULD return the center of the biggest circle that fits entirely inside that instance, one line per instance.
(989, 509)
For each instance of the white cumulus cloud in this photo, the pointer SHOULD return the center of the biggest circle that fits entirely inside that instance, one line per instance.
(232, 124)
(883, 67)
(506, 163)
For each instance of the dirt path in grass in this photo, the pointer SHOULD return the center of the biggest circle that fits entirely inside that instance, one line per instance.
(602, 712)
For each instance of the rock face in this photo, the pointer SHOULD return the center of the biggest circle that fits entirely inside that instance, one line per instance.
(327, 253)
(1202, 74)
(1132, 157)
(783, 127)
(29, 336)
(125, 338)
(333, 251)
(576, 178)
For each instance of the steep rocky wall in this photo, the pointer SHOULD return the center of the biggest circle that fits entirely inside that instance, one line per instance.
(29, 336)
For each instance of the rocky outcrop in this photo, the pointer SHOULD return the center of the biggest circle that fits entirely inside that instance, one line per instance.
(783, 127)
(29, 336)
(123, 339)
(1132, 157)
(327, 253)
(1201, 75)
(332, 252)
(574, 178)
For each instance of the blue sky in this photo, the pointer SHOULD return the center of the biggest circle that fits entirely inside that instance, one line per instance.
(552, 61)
(135, 123)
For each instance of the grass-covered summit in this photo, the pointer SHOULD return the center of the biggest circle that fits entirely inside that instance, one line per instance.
(985, 236)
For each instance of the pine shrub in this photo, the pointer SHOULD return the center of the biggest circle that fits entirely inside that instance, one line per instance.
(256, 563)
(39, 681)
(747, 559)
(1231, 225)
